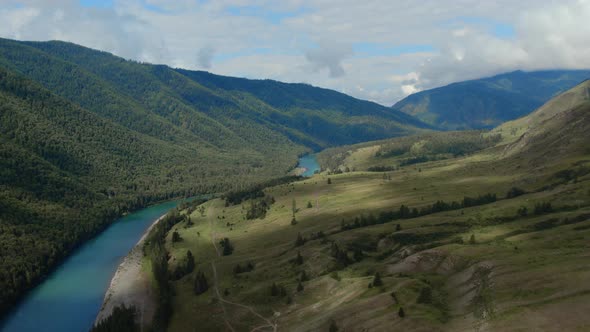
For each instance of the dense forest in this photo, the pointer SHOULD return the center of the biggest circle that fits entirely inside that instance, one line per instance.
(86, 136)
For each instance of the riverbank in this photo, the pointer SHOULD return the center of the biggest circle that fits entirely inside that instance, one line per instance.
(130, 286)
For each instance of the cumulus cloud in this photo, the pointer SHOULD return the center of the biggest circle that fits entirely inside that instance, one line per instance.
(329, 56)
(205, 56)
(316, 41)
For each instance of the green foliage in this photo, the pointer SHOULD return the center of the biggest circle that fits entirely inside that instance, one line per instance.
(201, 284)
(425, 296)
(523, 211)
(401, 313)
(228, 248)
(155, 250)
(298, 259)
(277, 290)
(340, 255)
(377, 282)
(300, 240)
(515, 192)
(405, 212)
(299, 287)
(333, 327)
(542, 208)
(176, 237)
(242, 269)
(122, 319)
(184, 267)
(258, 207)
(303, 276)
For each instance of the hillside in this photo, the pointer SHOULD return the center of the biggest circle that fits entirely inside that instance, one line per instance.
(493, 236)
(488, 102)
(86, 136)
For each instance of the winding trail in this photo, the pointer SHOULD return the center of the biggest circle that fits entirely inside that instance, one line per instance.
(269, 323)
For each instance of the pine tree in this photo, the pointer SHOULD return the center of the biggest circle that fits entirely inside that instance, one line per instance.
(300, 287)
(329, 181)
(299, 259)
(309, 205)
(201, 284)
(333, 326)
(274, 289)
(472, 239)
(401, 312)
(303, 276)
(176, 237)
(425, 295)
(300, 240)
(190, 262)
(377, 280)
(228, 248)
(358, 254)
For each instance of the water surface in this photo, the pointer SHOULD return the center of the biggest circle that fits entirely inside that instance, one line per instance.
(310, 163)
(70, 298)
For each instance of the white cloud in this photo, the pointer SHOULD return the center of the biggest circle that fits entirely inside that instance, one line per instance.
(313, 41)
(329, 56)
(205, 56)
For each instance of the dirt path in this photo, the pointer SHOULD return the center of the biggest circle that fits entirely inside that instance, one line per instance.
(269, 323)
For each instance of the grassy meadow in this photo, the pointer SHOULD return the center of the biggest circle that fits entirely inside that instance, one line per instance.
(483, 266)
(453, 231)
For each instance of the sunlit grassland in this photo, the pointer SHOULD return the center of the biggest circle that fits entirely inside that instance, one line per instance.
(531, 270)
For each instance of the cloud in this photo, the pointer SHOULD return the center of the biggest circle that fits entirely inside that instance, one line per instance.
(361, 48)
(329, 56)
(205, 56)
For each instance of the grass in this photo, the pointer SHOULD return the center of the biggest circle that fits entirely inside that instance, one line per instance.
(534, 266)
(515, 251)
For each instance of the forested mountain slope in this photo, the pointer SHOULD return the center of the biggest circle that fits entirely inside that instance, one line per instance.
(487, 102)
(86, 136)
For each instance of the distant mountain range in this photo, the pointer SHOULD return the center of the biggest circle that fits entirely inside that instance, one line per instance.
(488, 102)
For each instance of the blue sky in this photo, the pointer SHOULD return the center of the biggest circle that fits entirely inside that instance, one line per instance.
(97, 3)
(380, 50)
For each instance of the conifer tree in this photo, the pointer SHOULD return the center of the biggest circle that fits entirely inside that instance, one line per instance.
(377, 280)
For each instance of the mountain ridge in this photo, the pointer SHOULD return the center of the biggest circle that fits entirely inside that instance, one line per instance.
(487, 102)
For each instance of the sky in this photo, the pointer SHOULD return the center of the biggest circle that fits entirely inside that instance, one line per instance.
(379, 50)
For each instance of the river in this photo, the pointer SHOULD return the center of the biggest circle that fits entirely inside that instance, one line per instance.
(310, 163)
(70, 298)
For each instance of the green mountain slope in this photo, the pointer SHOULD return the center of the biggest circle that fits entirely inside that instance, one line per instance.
(86, 136)
(487, 102)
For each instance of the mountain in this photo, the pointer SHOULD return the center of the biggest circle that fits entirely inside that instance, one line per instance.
(86, 136)
(492, 237)
(488, 102)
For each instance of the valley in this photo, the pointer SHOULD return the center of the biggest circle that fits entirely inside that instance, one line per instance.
(285, 206)
(86, 137)
(489, 236)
